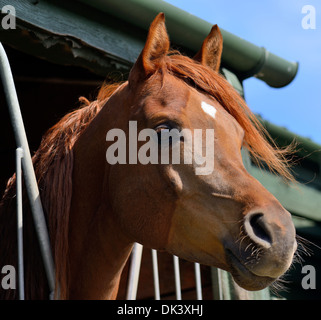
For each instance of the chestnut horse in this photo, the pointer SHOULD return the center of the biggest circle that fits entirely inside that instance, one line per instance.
(96, 211)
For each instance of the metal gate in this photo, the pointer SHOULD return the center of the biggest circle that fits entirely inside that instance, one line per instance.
(23, 158)
(134, 270)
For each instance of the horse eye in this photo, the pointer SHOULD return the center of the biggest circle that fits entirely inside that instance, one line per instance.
(161, 129)
(168, 133)
(163, 126)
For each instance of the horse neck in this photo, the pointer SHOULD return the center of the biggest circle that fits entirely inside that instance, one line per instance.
(98, 250)
(98, 255)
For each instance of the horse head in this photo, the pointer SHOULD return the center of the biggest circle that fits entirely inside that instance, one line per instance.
(220, 216)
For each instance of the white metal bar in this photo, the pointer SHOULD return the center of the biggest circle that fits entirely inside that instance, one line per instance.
(198, 281)
(28, 171)
(134, 269)
(155, 275)
(177, 278)
(217, 283)
(19, 156)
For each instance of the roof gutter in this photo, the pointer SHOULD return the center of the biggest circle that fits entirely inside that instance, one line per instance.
(240, 56)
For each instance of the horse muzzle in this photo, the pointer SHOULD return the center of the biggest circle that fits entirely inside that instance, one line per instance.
(264, 250)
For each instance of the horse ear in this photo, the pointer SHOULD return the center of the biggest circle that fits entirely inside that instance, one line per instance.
(211, 51)
(156, 47)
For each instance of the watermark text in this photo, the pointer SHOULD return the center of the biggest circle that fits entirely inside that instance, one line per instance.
(8, 277)
(309, 19)
(163, 147)
(9, 19)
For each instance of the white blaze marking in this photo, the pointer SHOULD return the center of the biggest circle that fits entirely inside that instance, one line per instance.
(209, 109)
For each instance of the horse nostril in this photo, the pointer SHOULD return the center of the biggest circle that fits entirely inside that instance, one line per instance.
(257, 230)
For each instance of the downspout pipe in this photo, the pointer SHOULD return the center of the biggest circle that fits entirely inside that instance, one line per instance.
(239, 56)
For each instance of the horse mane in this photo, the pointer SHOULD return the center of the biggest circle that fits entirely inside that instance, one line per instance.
(53, 163)
(257, 140)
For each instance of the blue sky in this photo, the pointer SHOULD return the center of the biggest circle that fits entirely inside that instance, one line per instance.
(276, 25)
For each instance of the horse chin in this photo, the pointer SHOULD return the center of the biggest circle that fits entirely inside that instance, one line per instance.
(244, 277)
